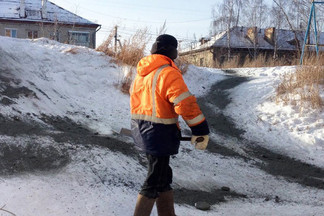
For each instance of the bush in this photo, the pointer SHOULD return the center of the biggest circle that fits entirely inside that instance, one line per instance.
(128, 54)
(303, 88)
(134, 48)
(107, 46)
(182, 63)
(259, 61)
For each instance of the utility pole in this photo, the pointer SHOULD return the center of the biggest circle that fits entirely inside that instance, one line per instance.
(116, 35)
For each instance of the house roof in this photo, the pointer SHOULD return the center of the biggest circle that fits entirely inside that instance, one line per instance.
(238, 39)
(9, 10)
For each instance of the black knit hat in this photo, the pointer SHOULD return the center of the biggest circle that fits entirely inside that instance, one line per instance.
(165, 45)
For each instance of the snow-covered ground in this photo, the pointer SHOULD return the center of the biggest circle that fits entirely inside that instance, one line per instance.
(299, 134)
(80, 83)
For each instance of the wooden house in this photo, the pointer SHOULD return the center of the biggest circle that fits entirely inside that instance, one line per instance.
(42, 18)
(241, 43)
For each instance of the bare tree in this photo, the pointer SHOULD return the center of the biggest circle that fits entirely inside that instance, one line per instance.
(256, 13)
(298, 13)
(278, 21)
(226, 16)
(288, 19)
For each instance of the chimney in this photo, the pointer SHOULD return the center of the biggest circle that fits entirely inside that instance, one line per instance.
(22, 10)
(269, 35)
(44, 9)
(252, 34)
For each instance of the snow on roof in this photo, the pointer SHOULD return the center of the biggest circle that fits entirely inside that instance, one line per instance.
(238, 39)
(9, 10)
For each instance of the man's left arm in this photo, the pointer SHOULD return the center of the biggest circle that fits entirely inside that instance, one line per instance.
(185, 104)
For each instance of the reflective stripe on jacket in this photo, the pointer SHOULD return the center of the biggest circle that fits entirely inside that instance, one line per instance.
(158, 95)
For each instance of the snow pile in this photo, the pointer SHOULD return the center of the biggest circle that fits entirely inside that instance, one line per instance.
(79, 83)
(67, 80)
(284, 128)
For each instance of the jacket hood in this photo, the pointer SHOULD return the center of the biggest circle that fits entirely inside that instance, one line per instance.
(152, 62)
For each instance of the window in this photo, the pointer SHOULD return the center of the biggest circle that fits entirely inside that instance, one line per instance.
(55, 35)
(32, 34)
(79, 38)
(201, 62)
(11, 33)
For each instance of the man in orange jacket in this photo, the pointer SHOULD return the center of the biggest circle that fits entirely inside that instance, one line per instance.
(158, 96)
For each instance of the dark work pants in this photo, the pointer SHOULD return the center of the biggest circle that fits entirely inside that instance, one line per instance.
(159, 176)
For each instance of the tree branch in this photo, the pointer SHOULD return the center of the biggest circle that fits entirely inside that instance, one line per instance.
(290, 25)
(2, 209)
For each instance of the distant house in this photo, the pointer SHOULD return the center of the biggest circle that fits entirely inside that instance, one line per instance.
(243, 43)
(42, 18)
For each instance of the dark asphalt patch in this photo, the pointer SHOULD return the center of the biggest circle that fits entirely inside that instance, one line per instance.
(6, 101)
(217, 121)
(30, 157)
(15, 126)
(37, 157)
(10, 87)
(219, 97)
(190, 197)
(76, 133)
(293, 170)
(16, 92)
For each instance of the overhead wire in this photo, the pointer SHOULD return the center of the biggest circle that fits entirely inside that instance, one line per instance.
(132, 6)
(130, 32)
(137, 20)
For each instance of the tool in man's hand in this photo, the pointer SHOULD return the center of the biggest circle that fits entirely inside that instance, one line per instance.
(200, 142)
(127, 132)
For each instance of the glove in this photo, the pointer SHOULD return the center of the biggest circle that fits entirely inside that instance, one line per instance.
(200, 142)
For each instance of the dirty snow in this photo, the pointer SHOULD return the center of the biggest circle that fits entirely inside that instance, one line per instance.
(77, 82)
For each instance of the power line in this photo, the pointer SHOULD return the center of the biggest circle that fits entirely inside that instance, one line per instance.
(128, 31)
(132, 6)
(142, 21)
(151, 21)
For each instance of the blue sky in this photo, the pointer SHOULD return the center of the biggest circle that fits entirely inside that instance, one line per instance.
(184, 19)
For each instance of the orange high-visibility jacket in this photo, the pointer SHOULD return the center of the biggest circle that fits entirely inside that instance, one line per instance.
(158, 95)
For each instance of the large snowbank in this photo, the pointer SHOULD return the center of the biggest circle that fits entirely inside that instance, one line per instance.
(78, 82)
